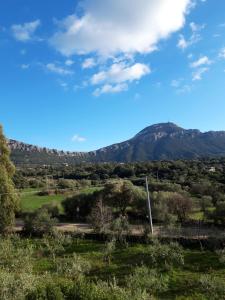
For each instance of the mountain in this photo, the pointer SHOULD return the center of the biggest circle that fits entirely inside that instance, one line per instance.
(164, 141)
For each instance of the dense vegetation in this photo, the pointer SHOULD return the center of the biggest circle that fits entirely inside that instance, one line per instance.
(181, 191)
(68, 267)
(8, 197)
(43, 262)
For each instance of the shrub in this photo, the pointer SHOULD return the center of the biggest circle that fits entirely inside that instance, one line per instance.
(15, 257)
(108, 251)
(119, 229)
(213, 288)
(13, 286)
(46, 291)
(84, 290)
(53, 208)
(39, 223)
(164, 256)
(55, 244)
(73, 268)
(144, 279)
(100, 217)
(219, 214)
(79, 206)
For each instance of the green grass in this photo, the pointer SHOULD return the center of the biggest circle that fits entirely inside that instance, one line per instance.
(30, 200)
(183, 281)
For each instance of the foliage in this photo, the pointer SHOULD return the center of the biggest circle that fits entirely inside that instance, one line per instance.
(145, 279)
(39, 223)
(13, 286)
(213, 288)
(122, 194)
(73, 268)
(218, 215)
(164, 256)
(79, 206)
(52, 208)
(108, 251)
(8, 196)
(101, 216)
(29, 270)
(180, 206)
(119, 229)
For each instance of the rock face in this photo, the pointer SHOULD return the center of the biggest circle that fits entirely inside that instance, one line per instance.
(165, 141)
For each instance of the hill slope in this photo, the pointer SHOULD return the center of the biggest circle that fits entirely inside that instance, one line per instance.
(165, 141)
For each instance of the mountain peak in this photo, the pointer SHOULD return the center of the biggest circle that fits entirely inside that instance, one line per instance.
(166, 128)
(161, 141)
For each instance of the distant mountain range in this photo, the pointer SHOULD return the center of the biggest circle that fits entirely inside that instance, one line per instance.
(164, 141)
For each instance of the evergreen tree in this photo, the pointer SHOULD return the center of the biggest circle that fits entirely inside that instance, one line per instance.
(8, 196)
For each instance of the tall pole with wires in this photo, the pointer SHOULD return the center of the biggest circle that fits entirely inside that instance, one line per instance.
(149, 205)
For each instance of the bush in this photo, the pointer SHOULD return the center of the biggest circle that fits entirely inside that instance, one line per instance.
(144, 279)
(39, 223)
(79, 206)
(84, 290)
(73, 268)
(13, 286)
(53, 208)
(213, 288)
(164, 256)
(119, 229)
(108, 251)
(218, 215)
(100, 217)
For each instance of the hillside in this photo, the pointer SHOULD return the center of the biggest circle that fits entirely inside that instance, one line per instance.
(165, 141)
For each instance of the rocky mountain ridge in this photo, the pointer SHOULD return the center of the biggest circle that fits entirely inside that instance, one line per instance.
(164, 141)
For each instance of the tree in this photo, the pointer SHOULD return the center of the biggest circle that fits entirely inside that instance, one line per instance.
(79, 206)
(8, 198)
(101, 216)
(39, 223)
(122, 194)
(218, 215)
(180, 206)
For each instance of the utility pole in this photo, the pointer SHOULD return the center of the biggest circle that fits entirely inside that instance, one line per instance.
(149, 206)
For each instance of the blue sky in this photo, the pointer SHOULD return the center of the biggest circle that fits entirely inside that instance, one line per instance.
(80, 75)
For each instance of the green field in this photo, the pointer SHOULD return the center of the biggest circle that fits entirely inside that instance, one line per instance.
(30, 200)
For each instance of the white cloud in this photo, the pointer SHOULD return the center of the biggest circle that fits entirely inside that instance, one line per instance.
(88, 63)
(24, 32)
(196, 27)
(69, 62)
(112, 27)
(58, 70)
(78, 138)
(197, 75)
(120, 73)
(204, 60)
(176, 83)
(222, 53)
(186, 88)
(182, 42)
(25, 66)
(180, 86)
(195, 37)
(110, 89)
